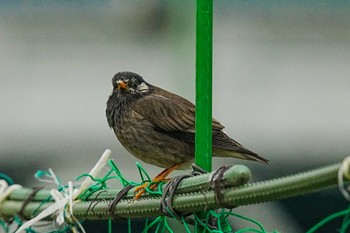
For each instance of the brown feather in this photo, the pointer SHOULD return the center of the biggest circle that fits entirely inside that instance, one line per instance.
(158, 126)
(174, 116)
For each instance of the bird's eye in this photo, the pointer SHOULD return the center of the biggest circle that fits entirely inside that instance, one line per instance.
(126, 81)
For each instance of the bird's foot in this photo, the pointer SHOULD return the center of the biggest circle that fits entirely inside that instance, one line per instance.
(140, 190)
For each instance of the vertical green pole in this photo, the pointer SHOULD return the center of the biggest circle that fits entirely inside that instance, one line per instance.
(204, 44)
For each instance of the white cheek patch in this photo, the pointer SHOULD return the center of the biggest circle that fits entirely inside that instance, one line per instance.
(142, 87)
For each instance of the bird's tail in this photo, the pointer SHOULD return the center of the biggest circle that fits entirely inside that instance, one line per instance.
(242, 154)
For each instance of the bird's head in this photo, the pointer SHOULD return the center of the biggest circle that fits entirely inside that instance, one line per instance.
(127, 88)
(129, 83)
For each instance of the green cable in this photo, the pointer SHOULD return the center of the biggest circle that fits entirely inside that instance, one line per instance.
(235, 176)
(110, 226)
(4, 226)
(147, 206)
(345, 223)
(262, 229)
(8, 179)
(142, 172)
(328, 219)
(129, 225)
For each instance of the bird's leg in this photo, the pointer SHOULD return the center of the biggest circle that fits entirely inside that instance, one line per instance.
(139, 190)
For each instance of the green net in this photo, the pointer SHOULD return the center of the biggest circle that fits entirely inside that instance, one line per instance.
(160, 223)
(220, 217)
(94, 196)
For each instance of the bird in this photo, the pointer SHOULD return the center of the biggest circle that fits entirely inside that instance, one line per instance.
(158, 126)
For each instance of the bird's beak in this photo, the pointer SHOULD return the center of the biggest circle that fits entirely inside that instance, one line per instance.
(122, 85)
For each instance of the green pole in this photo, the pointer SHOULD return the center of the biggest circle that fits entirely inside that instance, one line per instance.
(204, 44)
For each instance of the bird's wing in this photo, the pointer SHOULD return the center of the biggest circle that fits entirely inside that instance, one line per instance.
(175, 116)
(169, 112)
(165, 113)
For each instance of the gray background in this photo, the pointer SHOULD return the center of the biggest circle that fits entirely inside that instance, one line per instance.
(281, 83)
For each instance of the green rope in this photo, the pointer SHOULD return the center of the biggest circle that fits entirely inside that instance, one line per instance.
(8, 179)
(110, 226)
(261, 230)
(323, 176)
(35, 212)
(185, 224)
(129, 225)
(345, 224)
(121, 178)
(4, 226)
(143, 172)
(160, 224)
(46, 176)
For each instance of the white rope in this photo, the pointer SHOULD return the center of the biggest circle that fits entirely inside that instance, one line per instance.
(6, 190)
(47, 177)
(95, 171)
(70, 195)
(344, 172)
(57, 196)
(65, 198)
(54, 177)
(45, 213)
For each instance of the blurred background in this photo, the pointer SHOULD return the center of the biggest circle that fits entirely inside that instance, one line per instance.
(281, 87)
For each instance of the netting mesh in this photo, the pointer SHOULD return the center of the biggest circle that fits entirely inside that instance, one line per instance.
(63, 219)
(212, 221)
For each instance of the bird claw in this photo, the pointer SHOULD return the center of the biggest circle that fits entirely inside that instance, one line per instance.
(138, 194)
(140, 190)
(141, 187)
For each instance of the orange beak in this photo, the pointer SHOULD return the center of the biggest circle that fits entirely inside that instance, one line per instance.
(122, 85)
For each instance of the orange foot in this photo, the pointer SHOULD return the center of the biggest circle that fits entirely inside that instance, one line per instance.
(139, 190)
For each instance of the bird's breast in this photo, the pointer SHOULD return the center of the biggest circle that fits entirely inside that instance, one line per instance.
(139, 138)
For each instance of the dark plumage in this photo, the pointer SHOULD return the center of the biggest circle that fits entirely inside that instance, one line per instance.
(157, 126)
